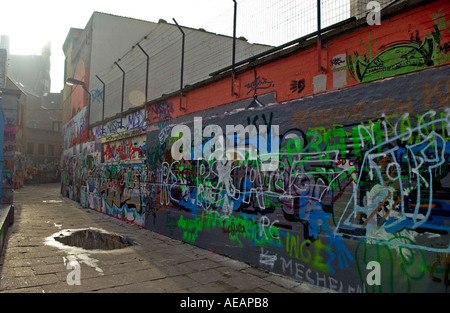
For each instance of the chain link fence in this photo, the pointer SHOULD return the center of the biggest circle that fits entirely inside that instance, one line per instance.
(152, 67)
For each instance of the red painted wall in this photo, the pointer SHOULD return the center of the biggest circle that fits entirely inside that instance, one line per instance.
(422, 33)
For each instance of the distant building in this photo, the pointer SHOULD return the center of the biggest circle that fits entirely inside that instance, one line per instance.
(8, 100)
(33, 71)
(38, 139)
(37, 118)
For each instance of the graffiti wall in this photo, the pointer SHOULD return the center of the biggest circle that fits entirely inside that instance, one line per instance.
(106, 174)
(10, 122)
(346, 189)
(361, 175)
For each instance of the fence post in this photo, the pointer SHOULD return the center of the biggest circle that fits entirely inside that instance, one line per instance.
(123, 91)
(146, 72)
(319, 38)
(233, 71)
(182, 107)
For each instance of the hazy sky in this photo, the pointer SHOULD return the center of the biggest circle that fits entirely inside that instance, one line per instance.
(30, 23)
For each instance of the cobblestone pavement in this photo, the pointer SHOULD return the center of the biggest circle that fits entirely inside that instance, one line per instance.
(33, 262)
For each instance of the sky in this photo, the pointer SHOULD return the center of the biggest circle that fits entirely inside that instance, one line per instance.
(31, 23)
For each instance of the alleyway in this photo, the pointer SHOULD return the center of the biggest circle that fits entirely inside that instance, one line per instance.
(33, 261)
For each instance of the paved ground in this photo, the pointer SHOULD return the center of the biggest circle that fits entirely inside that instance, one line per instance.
(156, 264)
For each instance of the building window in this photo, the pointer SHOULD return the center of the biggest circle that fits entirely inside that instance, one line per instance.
(30, 147)
(56, 126)
(50, 150)
(41, 149)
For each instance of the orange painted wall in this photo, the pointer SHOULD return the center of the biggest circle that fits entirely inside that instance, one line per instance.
(396, 37)
(79, 97)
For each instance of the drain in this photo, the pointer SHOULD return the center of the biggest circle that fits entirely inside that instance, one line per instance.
(93, 239)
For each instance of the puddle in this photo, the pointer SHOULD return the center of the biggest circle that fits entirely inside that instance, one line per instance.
(93, 239)
(80, 243)
(52, 201)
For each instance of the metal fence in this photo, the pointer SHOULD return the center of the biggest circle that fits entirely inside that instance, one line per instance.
(275, 22)
(152, 67)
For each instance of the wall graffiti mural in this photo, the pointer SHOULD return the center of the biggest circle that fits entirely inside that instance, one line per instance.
(122, 191)
(415, 52)
(376, 185)
(297, 85)
(75, 131)
(348, 188)
(126, 149)
(316, 188)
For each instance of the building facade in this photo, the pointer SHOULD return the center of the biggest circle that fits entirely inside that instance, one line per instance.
(8, 99)
(39, 118)
(32, 71)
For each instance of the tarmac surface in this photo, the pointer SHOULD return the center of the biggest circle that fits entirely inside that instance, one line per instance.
(32, 261)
